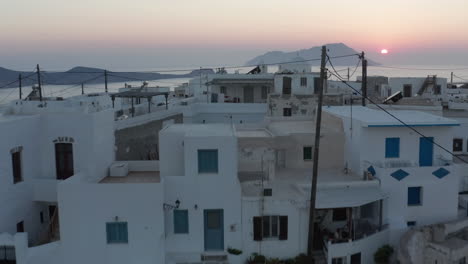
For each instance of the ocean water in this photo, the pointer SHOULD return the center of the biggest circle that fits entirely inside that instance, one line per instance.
(9, 94)
(460, 75)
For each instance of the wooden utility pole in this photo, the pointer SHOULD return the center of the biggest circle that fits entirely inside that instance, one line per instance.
(364, 79)
(451, 79)
(20, 87)
(318, 120)
(82, 88)
(348, 74)
(39, 82)
(105, 79)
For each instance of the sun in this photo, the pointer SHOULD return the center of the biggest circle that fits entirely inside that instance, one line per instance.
(384, 51)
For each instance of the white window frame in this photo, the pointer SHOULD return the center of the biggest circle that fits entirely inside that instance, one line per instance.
(270, 224)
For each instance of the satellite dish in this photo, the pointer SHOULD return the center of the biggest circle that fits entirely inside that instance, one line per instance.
(394, 97)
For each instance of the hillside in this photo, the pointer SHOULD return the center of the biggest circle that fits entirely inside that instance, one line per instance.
(80, 74)
(335, 49)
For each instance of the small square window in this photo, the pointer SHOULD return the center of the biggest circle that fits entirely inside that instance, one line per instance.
(303, 81)
(181, 224)
(414, 196)
(392, 147)
(287, 111)
(307, 153)
(411, 223)
(207, 161)
(457, 144)
(117, 233)
(267, 192)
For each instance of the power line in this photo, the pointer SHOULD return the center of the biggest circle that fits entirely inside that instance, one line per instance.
(77, 84)
(22, 78)
(401, 121)
(420, 69)
(197, 69)
(461, 78)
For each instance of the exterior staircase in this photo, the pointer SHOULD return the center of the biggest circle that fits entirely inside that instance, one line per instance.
(431, 80)
(319, 257)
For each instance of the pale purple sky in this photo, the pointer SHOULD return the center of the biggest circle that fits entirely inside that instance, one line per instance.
(125, 34)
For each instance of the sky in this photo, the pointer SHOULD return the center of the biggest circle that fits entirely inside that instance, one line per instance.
(147, 34)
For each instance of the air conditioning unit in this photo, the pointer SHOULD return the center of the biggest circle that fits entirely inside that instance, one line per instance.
(119, 169)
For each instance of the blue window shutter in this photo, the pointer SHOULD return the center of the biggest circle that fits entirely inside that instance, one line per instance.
(108, 232)
(181, 222)
(414, 195)
(208, 161)
(117, 232)
(392, 147)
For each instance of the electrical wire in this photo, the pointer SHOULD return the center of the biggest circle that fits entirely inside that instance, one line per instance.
(77, 84)
(399, 120)
(420, 69)
(460, 78)
(207, 68)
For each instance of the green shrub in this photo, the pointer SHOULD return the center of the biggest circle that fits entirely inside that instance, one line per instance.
(383, 254)
(234, 251)
(256, 258)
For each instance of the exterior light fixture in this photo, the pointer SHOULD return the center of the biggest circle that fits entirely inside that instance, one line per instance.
(170, 206)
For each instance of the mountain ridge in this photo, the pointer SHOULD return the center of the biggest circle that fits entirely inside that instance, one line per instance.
(82, 74)
(333, 49)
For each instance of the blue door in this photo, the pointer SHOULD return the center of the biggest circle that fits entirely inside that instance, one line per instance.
(214, 230)
(426, 151)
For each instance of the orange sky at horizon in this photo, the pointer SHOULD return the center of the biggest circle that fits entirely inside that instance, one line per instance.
(370, 25)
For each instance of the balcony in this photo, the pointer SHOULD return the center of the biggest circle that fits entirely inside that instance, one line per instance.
(400, 163)
(365, 246)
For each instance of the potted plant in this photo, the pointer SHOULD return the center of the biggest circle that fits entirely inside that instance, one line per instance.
(383, 254)
(235, 255)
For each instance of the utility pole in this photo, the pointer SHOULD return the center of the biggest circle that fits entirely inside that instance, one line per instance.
(105, 79)
(318, 120)
(20, 86)
(451, 79)
(82, 88)
(39, 82)
(348, 74)
(364, 79)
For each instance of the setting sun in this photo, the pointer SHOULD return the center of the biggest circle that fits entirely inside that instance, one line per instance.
(384, 51)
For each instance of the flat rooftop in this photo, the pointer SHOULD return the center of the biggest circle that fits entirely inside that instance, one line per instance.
(201, 130)
(378, 118)
(134, 177)
(335, 188)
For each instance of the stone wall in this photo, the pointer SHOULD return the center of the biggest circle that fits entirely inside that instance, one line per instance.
(141, 142)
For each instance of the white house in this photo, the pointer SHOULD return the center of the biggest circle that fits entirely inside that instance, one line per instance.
(42, 144)
(410, 164)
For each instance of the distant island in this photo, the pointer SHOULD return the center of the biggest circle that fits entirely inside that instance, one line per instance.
(334, 49)
(87, 75)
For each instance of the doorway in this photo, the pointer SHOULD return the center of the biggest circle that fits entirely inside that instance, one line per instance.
(214, 230)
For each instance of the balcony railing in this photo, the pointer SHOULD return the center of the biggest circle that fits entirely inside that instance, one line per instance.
(400, 163)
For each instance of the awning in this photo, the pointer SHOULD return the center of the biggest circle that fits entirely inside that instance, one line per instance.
(352, 196)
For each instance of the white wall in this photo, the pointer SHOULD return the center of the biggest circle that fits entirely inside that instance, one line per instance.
(198, 192)
(17, 199)
(397, 84)
(297, 228)
(85, 208)
(296, 87)
(225, 113)
(93, 150)
(366, 246)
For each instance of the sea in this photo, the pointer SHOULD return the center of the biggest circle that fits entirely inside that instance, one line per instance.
(460, 75)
